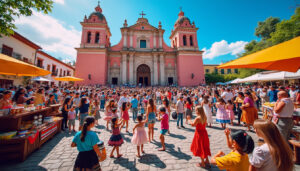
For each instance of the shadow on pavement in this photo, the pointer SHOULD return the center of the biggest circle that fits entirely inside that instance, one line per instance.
(177, 136)
(152, 159)
(124, 162)
(170, 148)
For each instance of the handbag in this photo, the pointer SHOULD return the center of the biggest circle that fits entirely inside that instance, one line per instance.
(102, 149)
(174, 115)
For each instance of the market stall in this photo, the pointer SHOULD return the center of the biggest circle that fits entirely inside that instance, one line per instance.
(25, 129)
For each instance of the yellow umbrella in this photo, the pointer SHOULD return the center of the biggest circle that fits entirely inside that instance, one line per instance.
(68, 78)
(12, 66)
(282, 57)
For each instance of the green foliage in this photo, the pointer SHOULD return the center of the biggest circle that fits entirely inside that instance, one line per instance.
(265, 28)
(246, 72)
(287, 29)
(9, 9)
(214, 77)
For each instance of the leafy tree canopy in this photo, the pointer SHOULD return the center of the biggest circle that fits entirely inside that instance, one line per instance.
(9, 9)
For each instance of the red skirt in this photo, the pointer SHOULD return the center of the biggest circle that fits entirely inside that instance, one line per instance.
(200, 144)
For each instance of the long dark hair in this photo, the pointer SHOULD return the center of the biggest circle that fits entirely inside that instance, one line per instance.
(82, 101)
(124, 105)
(18, 93)
(113, 122)
(250, 95)
(244, 141)
(166, 102)
(67, 100)
(151, 103)
(87, 122)
(188, 99)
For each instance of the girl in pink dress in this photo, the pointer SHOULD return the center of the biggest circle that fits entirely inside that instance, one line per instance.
(139, 135)
(125, 115)
(229, 110)
(108, 112)
(222, 116)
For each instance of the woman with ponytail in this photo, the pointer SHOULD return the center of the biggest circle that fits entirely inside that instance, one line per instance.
(86, 143)
(275, 154)
(237, 160)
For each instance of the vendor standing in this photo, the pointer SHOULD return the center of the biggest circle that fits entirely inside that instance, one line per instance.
(283, 113)
(5, 102)
(86, 143)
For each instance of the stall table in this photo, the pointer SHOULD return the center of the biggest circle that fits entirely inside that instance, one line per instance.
(19, 148)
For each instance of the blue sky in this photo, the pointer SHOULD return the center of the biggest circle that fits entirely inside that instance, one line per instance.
(225, 26)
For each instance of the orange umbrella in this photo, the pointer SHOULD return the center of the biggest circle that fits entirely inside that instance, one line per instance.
(12, 66)
(282, 57)
(68, 78)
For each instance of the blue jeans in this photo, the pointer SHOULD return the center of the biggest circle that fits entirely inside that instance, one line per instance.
(77, 111)
(180, 118)
(134, 113)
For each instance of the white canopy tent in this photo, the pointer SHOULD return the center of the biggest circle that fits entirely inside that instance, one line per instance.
(40, 79)
(271, 76)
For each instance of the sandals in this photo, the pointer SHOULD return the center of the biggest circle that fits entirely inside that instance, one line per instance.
(119, 156)
(161, 149)
(112, 156)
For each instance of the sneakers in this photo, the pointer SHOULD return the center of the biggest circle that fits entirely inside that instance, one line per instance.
(182, 127)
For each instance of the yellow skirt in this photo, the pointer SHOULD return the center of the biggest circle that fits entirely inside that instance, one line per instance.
(249, 115)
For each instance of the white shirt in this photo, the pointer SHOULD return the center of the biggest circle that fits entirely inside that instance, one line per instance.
(288, 109)
(227, 96)
(122, 100)
(293, 94)
(180, 106)
(262, 160)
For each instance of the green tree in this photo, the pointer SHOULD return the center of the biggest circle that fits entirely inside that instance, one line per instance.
(265, 28)
(287, 29)
(213, 78)
(9, 9)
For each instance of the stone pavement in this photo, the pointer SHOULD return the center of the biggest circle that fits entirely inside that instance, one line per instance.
(57, 154)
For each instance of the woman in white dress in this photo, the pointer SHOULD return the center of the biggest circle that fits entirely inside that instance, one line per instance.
(207, 110)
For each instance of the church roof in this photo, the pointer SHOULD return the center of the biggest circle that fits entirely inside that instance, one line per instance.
(98, 14)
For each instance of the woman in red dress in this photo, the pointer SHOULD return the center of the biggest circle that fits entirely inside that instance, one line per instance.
(125, 115)
(200, 144)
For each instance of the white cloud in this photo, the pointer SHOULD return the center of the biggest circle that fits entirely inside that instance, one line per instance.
(60, 1)
(51, 34)
(222, 48)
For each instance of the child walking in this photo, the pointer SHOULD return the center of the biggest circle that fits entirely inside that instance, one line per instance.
(207, 110)
(200, 144)
(164, 124)
(125, 115)
(116, 139)
(139, 135)
(71, 118)
(222, 116)
(229, 110)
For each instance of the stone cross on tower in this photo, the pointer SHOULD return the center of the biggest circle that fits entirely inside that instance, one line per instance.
(142, 14)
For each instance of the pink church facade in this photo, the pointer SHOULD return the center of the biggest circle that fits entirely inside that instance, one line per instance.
(141, 57)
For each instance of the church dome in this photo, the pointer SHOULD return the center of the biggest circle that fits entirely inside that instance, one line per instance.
(99, 15)
(181, 19)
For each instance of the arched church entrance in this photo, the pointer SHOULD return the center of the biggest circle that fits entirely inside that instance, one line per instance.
(143, 75)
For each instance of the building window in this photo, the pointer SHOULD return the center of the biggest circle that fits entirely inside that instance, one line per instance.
(222, 71)
(89, 36)
(64, 73)
(236, 71)
(97, 40)
(39, 63)
(184, 40)
(207, 70)
(143, 44)
(228, 71)
(60, 72)
(216, 70)
(48, 67)
(191, 41)
(7, 50)
(143, 27)
(25, 59)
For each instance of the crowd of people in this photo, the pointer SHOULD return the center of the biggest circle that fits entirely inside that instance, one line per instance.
(233, 105)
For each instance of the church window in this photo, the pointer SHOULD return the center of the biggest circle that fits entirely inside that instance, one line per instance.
(97, 40)
(143, 44)
(184, 40)
(222, 71)
(191, 41)
(89, 35)
(142, 27)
